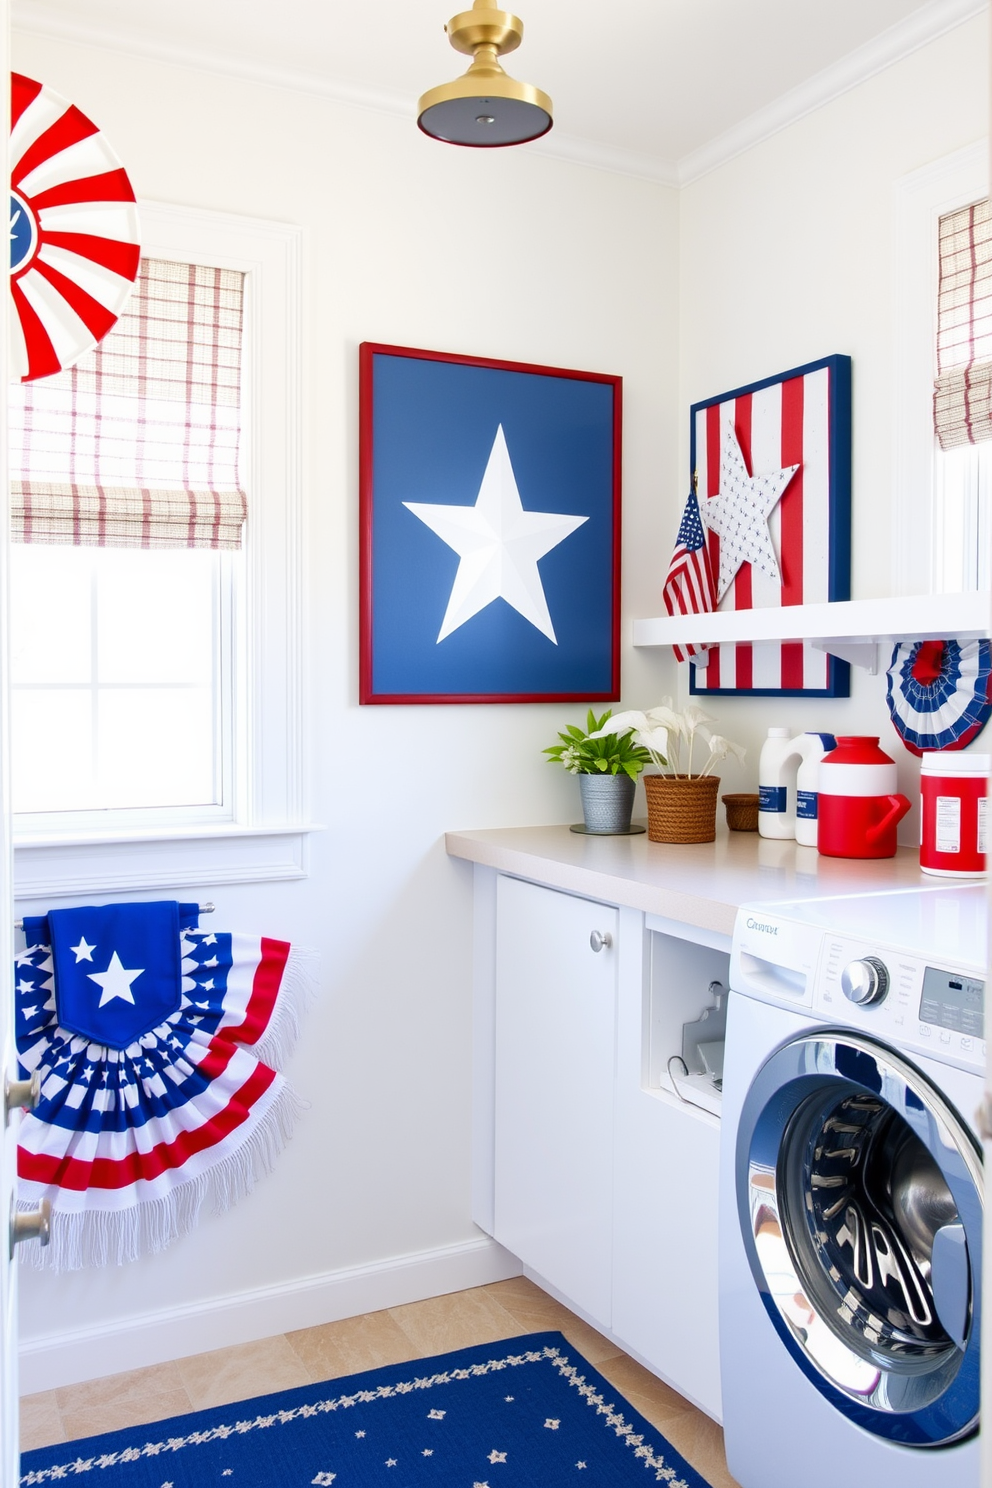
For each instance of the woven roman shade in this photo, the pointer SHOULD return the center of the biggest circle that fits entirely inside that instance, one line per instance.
(137, 445)
(962, 402)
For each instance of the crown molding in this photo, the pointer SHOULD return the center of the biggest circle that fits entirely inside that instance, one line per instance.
(924, 25)
(607, 157)
(899, 41)
(555, 145)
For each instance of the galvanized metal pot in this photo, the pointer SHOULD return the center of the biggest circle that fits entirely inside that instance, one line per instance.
(607, 801)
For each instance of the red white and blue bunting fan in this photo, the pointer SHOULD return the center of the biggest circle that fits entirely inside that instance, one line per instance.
(158, 1047)
(940, 692)
(73, 232)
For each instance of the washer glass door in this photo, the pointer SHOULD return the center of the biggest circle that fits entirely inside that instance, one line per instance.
(860, 1198)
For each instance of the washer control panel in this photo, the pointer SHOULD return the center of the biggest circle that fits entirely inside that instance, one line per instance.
(936, 1009)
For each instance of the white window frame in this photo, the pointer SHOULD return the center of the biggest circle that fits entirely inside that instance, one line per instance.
(266, 838)
(920, 200)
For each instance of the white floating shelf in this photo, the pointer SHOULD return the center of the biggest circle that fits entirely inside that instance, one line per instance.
(850, 629)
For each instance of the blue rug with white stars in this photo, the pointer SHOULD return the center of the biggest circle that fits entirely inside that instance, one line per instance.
(523, 1413)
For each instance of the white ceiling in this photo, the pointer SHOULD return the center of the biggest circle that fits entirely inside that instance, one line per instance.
(663, 87)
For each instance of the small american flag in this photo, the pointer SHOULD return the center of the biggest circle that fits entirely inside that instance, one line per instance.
(689, 587)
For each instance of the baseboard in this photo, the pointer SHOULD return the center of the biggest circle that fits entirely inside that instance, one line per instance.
(67, 1358)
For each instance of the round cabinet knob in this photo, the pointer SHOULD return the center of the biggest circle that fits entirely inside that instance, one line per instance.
(865, 981)
(599, 939)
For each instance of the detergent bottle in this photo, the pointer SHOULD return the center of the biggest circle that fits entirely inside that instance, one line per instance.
(859, 806)
(776, 785)
(812, 748)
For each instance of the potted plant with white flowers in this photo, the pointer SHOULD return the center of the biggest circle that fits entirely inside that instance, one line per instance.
(681, 801)
(607, 762)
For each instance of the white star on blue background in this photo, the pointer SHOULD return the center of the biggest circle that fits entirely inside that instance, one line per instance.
(499, 545)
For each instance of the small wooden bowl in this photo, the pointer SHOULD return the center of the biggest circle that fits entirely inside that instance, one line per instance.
(742, 811)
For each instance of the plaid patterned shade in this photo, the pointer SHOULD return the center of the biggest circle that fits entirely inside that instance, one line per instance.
(962, 402)
(137, 445)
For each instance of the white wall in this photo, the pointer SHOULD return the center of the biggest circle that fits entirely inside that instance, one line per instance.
(507, 255)
(588, 276)
(787, 255)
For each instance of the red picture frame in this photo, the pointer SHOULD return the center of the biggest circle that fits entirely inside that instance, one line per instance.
(430, 426)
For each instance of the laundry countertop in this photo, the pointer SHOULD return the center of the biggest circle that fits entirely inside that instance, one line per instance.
(701, 884)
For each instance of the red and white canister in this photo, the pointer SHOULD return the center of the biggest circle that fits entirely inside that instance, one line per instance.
(954, 805)
(859, 806)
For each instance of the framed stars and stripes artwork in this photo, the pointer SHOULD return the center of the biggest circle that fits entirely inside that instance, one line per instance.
(490, 530)
(771, 466)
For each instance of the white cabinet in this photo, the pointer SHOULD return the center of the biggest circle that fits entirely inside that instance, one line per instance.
(555, 1021)
(588, 1167)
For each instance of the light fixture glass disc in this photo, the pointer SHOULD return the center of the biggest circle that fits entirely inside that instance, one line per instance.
(464, 121)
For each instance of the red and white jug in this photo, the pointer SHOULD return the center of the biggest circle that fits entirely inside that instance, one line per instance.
(859, 807)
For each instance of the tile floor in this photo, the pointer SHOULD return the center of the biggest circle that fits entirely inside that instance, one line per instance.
(482, 1315)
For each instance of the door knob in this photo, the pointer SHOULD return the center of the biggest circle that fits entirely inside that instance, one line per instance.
(26, 1093)
(599, 939)
(33, 1224)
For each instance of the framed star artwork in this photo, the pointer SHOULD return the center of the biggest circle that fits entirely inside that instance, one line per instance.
(771, 465)
(490, 530)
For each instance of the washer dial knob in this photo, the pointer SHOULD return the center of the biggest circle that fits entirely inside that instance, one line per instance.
(866, 981)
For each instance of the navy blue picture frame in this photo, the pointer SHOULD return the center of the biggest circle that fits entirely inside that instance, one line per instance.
(428, 425)
(838, 562)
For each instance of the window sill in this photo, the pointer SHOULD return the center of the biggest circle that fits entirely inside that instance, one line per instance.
(184, 857)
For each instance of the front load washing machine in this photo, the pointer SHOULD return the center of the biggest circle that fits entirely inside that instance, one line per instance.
(851, 1191)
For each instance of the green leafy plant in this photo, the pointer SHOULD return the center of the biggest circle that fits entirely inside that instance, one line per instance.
(597, 752)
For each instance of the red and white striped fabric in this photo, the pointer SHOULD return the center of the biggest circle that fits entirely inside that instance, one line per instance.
(74, 232)
(787, 423)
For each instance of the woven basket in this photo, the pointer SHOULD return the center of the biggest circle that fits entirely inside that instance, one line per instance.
(742, 811)
(681, 809)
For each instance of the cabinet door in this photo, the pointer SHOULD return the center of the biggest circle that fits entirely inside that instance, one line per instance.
(667, 1178)
(555, 1034)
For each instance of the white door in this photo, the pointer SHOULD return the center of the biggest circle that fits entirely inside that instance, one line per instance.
(555, 1022)
(9, 1447)
(8, 1293)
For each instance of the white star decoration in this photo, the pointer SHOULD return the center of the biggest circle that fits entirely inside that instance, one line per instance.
(499, 545)
(83, 951)
(551, 1424)
(115, 981)
(739, 514)
(435, 1415)
(495, 1456)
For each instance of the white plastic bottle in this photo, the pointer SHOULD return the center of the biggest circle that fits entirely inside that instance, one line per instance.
(812, 748)
(776, 785)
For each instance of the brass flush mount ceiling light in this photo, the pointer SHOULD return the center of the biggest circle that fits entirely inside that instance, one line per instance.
(485, 107)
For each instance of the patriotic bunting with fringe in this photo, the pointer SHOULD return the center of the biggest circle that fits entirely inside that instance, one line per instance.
(158, 1046)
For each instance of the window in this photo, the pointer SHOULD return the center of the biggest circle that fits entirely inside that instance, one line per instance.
(941, 493)
(126, 502)
(963, 395)
(233, 812)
